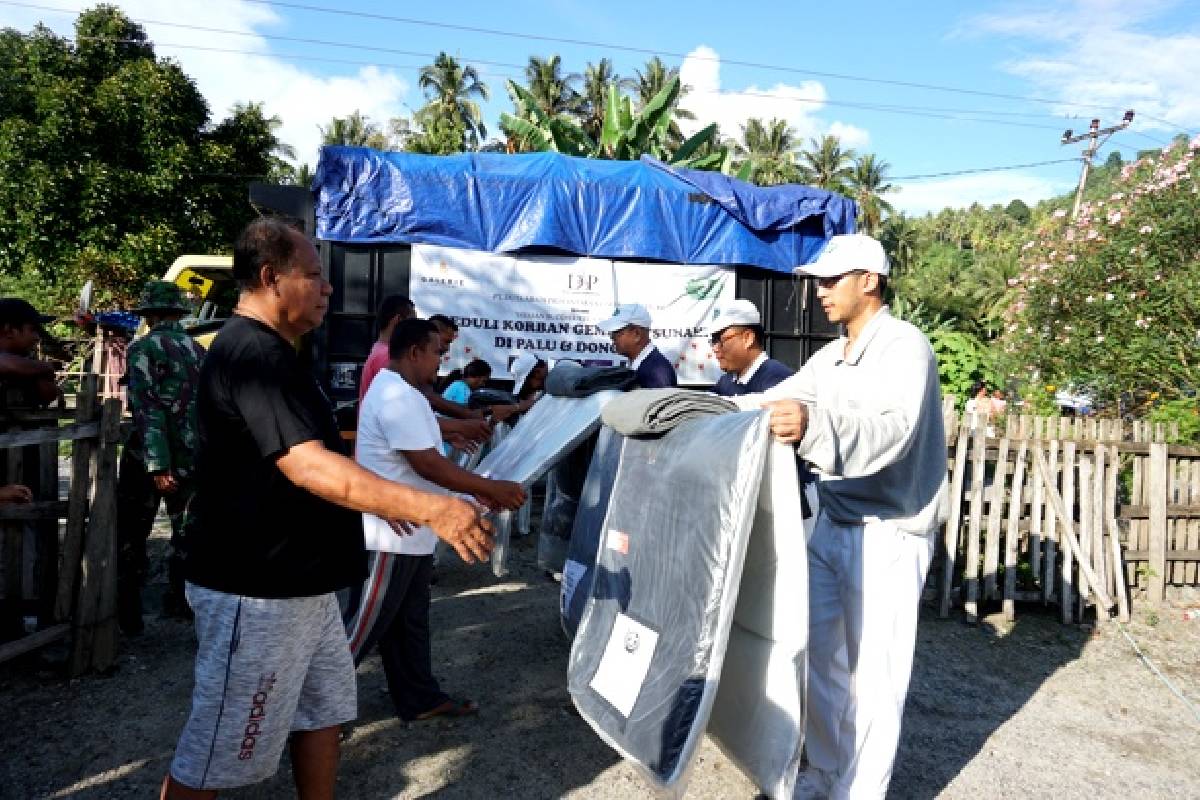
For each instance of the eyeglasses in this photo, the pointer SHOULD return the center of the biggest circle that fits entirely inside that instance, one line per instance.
(830, 281)
(718, 340)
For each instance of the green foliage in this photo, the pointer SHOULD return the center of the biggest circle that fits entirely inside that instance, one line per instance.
(962, 360)
(1111, 300)
(109, 166)
(1184, 411)
(453, 92)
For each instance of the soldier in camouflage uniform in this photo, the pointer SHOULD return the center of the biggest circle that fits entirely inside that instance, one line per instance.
(162, 375)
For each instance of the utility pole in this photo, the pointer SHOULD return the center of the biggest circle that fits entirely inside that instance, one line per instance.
(1094, 144)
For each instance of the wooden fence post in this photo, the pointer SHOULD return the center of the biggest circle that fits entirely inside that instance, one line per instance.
(1157, 584)
(975, 520)
(950, 539)
(94, 624)
(77, 501)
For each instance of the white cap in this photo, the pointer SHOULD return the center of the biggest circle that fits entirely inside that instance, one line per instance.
(845, 253)
(739, 312)
(630, 314)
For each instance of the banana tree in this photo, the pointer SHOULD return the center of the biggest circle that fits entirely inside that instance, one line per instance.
(531, 129)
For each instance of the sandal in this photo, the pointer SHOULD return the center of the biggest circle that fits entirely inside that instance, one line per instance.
(450, 708)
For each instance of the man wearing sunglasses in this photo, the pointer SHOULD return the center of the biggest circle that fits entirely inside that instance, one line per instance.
(866, 412)
(738, 339)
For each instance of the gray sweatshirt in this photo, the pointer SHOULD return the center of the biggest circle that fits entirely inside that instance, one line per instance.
(875, 429)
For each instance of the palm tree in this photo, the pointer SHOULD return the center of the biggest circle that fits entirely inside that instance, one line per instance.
(453, 90)
(901, 239)
(771, 149)
(651, 82)
(354, 131)
(869, 183)
(826, 165)
(596, 80)
(555, 92)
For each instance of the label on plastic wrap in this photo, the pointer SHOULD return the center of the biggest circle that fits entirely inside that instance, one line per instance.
(572, 572)
(618, 541)
(625, 662)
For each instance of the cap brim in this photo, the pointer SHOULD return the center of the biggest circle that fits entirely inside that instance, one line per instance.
(612, 325)
(818, 270)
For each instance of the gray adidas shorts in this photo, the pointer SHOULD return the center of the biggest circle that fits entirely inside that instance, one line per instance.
(264, 668)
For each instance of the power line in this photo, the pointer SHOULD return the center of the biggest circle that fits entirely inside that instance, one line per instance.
(979, 170)
(932, 112)
(681, 56)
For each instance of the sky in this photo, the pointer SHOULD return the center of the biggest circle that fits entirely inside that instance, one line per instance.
(930, 87)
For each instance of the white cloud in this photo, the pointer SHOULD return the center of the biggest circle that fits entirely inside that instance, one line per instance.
(920, 197)
(298, 95)
(701, 72)
(1103, 53)
(852, 136)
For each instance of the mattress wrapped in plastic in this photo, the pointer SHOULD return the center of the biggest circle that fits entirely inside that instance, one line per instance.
(646, 661)
(580, 567)
(551, 429)
(564, 486)
(697, 615)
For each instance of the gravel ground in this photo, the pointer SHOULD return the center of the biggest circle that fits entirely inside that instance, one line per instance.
(1038, 710)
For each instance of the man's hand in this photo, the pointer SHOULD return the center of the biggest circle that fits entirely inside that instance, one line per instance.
(460, 442)
(15, 493)
(501, 413)
(505, 494)
(476, 430)
(789, 420)
(460, 525)
(165, 483)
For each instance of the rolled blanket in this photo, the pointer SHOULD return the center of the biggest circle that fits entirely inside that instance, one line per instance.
(569, 379)
(648, 412)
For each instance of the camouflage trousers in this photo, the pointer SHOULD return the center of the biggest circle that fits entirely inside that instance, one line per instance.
(137, 506)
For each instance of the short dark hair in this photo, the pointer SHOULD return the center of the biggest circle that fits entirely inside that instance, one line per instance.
(410, 333)
(392, 306)
(478, 368)
(442, 321)
(266, 240)
(760, 336)
(883, 285)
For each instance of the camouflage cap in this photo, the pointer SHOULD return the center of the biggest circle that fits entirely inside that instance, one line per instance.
(161, 296)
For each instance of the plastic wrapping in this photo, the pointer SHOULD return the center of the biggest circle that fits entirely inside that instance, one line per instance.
(646, 660)
(551, 429)
(564, 486)
(579, 570)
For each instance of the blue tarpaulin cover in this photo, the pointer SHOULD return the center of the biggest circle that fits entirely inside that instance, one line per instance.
(631, 210)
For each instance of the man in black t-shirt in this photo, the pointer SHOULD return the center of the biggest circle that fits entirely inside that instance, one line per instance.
(273, 534)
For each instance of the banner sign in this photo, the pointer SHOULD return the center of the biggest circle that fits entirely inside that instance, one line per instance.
(549, 306)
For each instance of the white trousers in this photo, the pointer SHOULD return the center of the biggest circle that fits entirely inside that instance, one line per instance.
(865, 586)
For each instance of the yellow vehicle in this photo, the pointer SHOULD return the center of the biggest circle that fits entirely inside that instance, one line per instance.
(208, 280)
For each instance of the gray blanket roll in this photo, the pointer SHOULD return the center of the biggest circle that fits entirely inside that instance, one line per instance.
(569, 379)
(648, 412)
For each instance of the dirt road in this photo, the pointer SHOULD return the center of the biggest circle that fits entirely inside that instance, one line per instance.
(1041, 710)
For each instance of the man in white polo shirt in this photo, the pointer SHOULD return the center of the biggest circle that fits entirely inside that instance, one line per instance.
(865, 411)
(399, 439)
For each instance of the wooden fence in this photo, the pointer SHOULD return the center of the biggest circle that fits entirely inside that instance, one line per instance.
(1066, 511)
(71, 590)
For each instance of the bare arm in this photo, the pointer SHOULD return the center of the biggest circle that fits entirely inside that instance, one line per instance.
(333, 477)
(447, 408)
(22, 367)
(436, 468)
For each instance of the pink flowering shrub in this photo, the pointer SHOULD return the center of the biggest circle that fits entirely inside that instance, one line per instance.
(1111, 300)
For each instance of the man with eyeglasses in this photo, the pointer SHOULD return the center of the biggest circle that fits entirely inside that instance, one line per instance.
(629, 328)
(738, 339)
(866, 412)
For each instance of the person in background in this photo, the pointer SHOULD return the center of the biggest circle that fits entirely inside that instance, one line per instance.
(468, 379)
(24, 380)
(447, 329)
(529, 378)
(393, 309)
(629, 328)
(162, 377)
(738, 341)
(275, 530)
(398, 439)
(866, 411)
